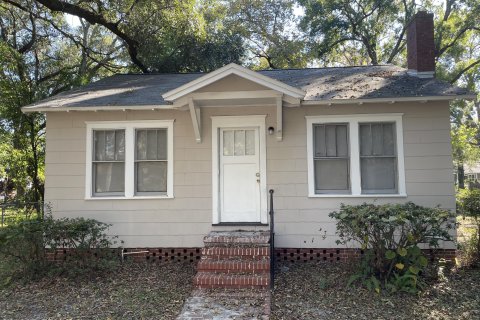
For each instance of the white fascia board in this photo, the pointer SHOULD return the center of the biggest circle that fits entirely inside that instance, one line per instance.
(240, 71)
(96, 108)
(388, 100)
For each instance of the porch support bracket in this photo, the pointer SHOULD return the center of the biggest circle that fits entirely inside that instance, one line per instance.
(279, 130)
(196, 120)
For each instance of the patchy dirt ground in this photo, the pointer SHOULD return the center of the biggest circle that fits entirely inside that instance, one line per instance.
(319, 291)
(135, 291)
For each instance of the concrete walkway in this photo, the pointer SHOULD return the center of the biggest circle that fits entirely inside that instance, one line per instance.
(227, 304)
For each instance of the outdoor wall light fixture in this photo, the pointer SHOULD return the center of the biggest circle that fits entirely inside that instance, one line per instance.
(271, 130)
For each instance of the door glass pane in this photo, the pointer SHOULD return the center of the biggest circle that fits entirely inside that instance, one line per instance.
(109, 177)
(250, 142)
(151, 176)
(378, 175)
(331, 174)
(319, 134)
(141, 145)
(228, 143)
(239, 142)
(162, 144)
(99, 137)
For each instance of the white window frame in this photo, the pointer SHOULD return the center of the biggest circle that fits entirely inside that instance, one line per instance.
(353, 121)
(129, 127)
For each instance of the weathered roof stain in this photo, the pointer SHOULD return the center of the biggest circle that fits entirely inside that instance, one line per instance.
(320, 84)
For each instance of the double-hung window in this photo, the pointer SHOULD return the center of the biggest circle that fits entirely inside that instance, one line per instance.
(108, 162)
(355, 155)
(129, 160)
(331, 159)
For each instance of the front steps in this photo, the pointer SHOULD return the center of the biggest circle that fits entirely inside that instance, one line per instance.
(234, 260)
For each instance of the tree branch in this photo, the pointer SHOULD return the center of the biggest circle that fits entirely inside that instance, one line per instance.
(459, 74)
(94, 18)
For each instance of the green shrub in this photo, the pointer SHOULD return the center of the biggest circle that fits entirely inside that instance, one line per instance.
(390, 235)
(468, 205)
(24, 245)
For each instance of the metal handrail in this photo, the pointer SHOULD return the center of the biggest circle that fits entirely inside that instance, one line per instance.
(272, 241)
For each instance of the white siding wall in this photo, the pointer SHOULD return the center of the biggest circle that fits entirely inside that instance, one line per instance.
(184, 220)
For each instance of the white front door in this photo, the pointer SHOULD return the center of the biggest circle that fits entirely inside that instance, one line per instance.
(239, 175)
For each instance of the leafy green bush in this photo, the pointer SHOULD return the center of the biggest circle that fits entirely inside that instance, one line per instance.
(25, 244)
(390, 235)
(468, 205)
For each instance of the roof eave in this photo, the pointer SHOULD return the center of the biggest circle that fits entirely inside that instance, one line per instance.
(389, 100)
(95, 108)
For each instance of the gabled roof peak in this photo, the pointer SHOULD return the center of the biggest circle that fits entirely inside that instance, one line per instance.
(233, 69)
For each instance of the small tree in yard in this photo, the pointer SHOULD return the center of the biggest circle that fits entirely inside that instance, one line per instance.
(468, 204)
(391, 234)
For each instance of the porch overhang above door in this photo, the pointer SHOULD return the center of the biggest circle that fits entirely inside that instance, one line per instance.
(219, 89)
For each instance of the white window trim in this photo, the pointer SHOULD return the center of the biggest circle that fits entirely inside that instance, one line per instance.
(238, 122)
(129, 127)
(354, 147)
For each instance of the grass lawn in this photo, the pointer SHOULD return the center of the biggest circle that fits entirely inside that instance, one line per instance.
(134, 291)
(319, 291)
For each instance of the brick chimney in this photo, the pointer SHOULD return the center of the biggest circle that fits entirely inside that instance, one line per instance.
(421, 46)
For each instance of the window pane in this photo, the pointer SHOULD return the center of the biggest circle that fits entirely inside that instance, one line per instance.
(319, 135)
(250, 142)
(119, 145)
(239, 142)
(151, 144)
(109, 145)
(365, 140)
(331, 174)
(109, 177)
(377, 139)
(162, 144)
(342, 144)
(388, 139)
(331, 141)
(99, 145)
(378, 175)
(228, 143)
(151, 176)
(141, 145)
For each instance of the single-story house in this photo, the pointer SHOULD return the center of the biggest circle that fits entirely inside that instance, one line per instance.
(168, 158)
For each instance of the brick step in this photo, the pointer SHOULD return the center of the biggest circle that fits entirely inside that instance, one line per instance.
(237, 239)
(234, 266)
(224, 253)
(230, 281)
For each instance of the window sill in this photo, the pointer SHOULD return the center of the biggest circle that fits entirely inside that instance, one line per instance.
(357, 195)
(131, 198)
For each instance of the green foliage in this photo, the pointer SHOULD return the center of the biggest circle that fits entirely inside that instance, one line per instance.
(390, 235)
(25, 244)
(358, 28)
(468, 205)
(268, 29)
(465, 144)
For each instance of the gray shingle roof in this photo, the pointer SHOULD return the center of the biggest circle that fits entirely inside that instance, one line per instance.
(320, 84)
